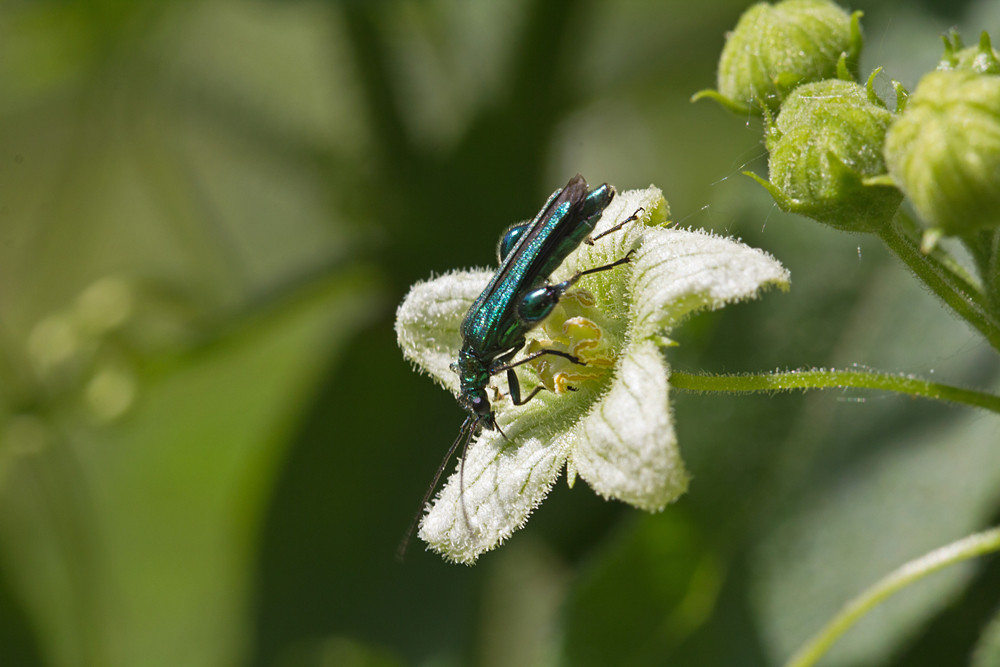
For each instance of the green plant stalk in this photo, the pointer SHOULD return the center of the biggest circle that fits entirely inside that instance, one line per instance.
(824, 379)
(984, 246)
(962, 278)
(965, 299)
(969, 547)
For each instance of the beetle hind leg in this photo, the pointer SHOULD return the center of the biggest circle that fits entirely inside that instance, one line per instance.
(632, 218)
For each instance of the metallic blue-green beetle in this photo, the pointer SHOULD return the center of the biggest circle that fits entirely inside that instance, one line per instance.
(517, 299)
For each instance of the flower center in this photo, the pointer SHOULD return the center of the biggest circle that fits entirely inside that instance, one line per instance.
(573, 327)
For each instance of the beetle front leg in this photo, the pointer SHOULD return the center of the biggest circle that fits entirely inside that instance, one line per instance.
(531, 357)
(515, 389)
(503, 364)
(499, 364)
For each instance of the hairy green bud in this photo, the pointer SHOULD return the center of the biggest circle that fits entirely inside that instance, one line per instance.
(775, 48)
(944, 151)
(826, 156)
(981, 59)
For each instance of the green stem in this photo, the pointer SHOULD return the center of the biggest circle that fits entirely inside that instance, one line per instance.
(974, 545)
(950, 269)
(984, 246)
(963, 297)
(824, 379)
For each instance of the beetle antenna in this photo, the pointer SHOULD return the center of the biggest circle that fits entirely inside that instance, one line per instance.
(461, 474)
(405, 542)
(496, 427)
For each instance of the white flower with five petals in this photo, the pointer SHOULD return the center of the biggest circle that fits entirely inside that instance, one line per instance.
(608, 421)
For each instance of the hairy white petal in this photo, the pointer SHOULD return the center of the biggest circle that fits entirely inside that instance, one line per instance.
(677, 272)
(626, 447)
(428, 321)
(504, 481)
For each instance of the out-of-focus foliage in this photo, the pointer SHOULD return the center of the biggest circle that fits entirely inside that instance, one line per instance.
(640, 601)
(174, 276)
(210, 444)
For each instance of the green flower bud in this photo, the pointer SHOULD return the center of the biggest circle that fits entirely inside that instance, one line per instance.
(775, 48)
(981, 59)
(944, 151)
(826, 156)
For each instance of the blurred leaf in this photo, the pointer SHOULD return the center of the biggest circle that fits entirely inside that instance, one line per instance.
(134, 545)
(176, 157)
(925, 491)
(184, 148)
(656, 585)
(987, 653)
(959, 628)
(449, 61)
(20, 646)
(522, 596)
(338, 652)
(873, 481)
(283, 68)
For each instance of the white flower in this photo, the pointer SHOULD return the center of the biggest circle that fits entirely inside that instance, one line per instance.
(614, 428)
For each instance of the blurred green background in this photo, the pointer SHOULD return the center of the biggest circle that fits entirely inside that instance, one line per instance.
(210, 444)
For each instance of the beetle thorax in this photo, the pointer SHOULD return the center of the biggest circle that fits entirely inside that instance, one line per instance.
(472, 372)
(473, 377)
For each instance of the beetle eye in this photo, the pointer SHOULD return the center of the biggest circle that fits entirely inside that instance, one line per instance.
(480, 404)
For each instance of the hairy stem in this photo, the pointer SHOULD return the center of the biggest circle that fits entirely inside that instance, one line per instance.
(974, 545)
(961, 296)
(984, 246)
(824, 379)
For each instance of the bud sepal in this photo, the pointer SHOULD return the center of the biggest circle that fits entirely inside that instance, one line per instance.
(944, 151)
(981, 59)
(776, 48)
(825, 156)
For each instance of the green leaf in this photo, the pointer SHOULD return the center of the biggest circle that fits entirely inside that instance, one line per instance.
(656, 585)
(922, 490)
(134, 545)
(338, 652)
(181, 149)
(987, 653)
(885, 482)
